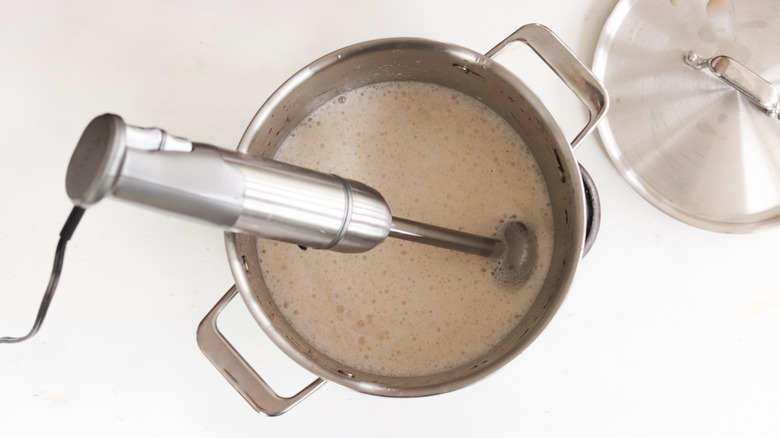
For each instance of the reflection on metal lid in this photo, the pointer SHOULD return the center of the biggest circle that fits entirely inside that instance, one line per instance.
(693, 126)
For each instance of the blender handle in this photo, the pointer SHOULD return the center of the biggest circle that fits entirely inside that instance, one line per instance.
(567, 66)
(237, 370)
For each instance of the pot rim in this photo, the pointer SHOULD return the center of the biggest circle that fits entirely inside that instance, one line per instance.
(567, 163)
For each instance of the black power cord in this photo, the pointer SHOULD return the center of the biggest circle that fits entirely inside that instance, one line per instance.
(59, 256)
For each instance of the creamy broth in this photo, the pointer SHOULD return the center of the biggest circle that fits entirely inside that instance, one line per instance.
(437, 156)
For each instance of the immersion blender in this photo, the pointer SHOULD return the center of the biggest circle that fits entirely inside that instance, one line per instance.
(248, 194)
(244, 193)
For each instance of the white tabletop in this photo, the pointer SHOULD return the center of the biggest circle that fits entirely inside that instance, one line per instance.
(667, 330)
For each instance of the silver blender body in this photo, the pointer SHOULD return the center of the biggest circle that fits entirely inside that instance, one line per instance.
(240, 193)
(237, 192)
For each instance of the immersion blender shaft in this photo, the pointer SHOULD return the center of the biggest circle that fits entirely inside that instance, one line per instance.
(444, 238)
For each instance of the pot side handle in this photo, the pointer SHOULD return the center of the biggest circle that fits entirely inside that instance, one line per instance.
(567, 66)
(238, 372)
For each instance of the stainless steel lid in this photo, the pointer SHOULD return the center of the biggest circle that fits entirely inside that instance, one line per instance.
(694, 120)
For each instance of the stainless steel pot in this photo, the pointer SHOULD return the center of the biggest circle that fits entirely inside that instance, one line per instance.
(574, 199)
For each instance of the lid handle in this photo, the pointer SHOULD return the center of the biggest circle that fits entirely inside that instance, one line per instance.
(746, 81)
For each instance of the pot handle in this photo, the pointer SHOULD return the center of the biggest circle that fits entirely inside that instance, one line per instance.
(238, 372)
(567, 66)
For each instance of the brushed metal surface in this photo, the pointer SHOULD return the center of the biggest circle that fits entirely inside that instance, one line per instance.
(687, 141)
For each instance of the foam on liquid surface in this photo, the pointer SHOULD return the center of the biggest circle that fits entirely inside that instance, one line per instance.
(437, 156)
